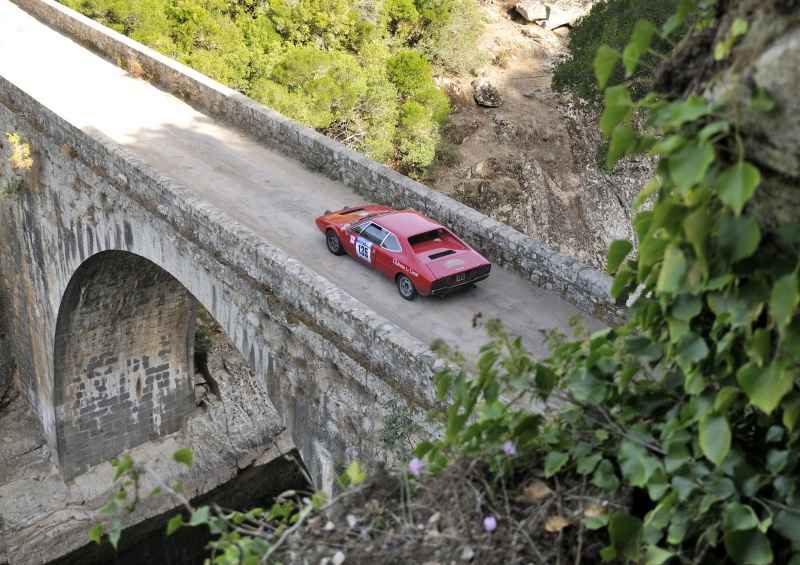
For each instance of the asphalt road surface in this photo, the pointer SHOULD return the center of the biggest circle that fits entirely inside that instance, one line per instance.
(271, 194)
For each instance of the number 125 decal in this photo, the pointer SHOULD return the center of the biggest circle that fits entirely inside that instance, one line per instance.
(363, 249)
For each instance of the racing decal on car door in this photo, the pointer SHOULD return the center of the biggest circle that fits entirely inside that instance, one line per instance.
(364, 249)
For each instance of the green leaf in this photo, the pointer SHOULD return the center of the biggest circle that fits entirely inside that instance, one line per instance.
(712, 129)
(736, 185)
(96, 533)
(739, 27)
(657, 556)
(688, 165)
(738, 238)
(200, 516)
(696, 226)
(766, 387)
(669, 144)
(619, 108)
(685, 307)
(652, 186)
(621, 281)
(691, 349)
(626, 533)
(554, 461)
(114, 535)
(617, 252)
(623, 140)
(736, 517)
(122, 465)
(588, 464)
(545, 379)
(784, 298)
(678, 113)
(174, 523)
(492, 410)
(715, 437)
(791, 410)
(604, 62)
(442, 382)
(640, 43)
(604, 476)
(777, 459)
(183, 455)
(673, 271)
(748, 547)
(585, 387)
(677, 456)
(643, 348)
(684, 487)
(354, 473)
(725, 398)
(760, 101)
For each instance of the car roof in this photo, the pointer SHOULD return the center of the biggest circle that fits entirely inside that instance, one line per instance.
(405, 223)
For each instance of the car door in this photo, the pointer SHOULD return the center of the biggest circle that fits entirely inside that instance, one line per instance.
(365, 238)
(386, 255)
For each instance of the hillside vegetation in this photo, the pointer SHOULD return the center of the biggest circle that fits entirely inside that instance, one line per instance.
(361, 72)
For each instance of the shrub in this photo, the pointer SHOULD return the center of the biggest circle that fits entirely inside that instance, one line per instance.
(609, 22)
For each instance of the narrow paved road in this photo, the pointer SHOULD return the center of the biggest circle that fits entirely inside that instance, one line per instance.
(271, 194)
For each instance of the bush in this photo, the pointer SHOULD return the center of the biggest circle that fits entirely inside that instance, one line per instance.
(610, 22)
(336, 66)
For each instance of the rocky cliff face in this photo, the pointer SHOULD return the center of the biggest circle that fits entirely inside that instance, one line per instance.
(766, 59)
(528, 156)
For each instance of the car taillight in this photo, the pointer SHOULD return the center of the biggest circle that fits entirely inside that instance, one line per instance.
(440, 283)
(483, 269)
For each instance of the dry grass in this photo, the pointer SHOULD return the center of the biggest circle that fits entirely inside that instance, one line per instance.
(391, 520)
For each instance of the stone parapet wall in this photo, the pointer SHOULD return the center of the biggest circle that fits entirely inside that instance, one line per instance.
(578, 283)
(275, 309)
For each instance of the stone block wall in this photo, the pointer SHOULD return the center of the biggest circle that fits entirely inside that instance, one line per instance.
(123, 366)
(578, 283)
(329, 364)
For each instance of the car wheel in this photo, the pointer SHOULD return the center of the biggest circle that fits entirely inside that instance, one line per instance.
(333, 242)
(406, 287)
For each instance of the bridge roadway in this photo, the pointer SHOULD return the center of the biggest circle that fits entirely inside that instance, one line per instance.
(266, 191)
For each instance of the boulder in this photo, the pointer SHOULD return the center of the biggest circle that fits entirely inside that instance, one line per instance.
(486, 94)
(533, 10)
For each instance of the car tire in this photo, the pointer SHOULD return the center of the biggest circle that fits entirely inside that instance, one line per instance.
(333, 242)
(406, 288)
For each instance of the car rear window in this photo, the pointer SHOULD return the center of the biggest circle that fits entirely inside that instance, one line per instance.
(426, 236)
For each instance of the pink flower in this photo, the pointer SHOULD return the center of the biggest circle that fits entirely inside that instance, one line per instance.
(415, 466)
(509, 447)
(490, 524)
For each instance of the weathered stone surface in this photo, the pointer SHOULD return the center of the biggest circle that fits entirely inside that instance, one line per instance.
(6, 364)
(486, 94)
(532, 10)
(45, 517)
(766, 58)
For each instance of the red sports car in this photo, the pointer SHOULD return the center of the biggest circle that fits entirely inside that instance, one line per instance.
(419, 254)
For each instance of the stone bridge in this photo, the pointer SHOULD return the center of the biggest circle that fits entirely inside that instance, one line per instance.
(105, 261)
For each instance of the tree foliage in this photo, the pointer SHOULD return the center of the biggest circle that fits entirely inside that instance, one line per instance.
(611, 23)
(324, 63)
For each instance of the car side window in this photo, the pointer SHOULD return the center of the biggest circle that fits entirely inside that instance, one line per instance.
(373, 233)
(391, 243)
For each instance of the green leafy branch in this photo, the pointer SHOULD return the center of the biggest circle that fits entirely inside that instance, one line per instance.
(246, 538)
(695, 400)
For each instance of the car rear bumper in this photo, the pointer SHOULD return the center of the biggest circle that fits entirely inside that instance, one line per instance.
(457, 286)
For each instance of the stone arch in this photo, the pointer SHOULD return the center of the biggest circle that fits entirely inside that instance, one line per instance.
(123, 359)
